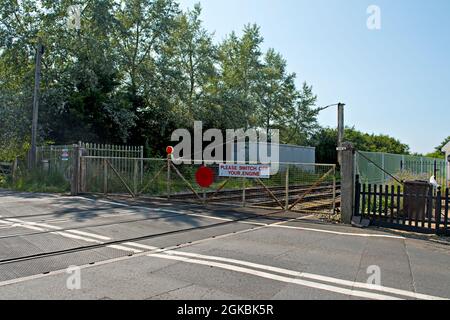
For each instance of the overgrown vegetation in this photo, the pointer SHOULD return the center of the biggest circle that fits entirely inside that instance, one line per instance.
(36, 181)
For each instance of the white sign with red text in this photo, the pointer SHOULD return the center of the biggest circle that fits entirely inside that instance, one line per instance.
(245, 171)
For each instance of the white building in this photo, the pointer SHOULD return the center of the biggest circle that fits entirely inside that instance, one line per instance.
(446, 149)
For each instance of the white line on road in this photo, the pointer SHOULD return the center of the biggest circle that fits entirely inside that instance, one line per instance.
(89, 234)
(12, 224)
(278, 225)
(175, 255)
(73, 236)
(310, 284)
(298, 274)
(123, 248)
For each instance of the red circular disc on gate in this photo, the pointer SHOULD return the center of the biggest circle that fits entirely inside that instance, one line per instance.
(204, 177)
(170, 150)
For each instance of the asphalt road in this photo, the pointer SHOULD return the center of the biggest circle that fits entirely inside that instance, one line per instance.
(150, 250)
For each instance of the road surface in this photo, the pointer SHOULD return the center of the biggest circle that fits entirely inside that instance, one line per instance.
(157, 250)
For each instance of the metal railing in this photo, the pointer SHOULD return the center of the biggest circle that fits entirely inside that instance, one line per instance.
(295, 186)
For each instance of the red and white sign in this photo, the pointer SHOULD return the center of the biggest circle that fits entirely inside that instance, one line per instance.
(245, 171)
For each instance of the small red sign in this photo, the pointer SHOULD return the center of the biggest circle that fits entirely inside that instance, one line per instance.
(170, 150)
(204, 177)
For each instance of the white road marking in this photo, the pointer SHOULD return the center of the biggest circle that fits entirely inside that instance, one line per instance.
(278, 225)
(298, 274)
(73, 236)
(123, 248)
(89, 234)
(37, 224)
(270, 276)
(12, 224)
(169, 254)
(274, 225)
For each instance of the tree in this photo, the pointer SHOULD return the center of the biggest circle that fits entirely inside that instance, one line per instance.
(136, 71)
(302, 122)
(239, 61)
(438, 150)
(276, 93)
(193, 55)
(325, 141)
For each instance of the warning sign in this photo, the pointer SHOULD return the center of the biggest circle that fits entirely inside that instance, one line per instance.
(244, 171)
(65, 154)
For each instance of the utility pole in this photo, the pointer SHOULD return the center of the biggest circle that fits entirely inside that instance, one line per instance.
(341, 128)
(37, 84)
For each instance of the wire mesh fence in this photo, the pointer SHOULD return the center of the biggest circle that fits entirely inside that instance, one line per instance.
(296, 187)
(384, 168)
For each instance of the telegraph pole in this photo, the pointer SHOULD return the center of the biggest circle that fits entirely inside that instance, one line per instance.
(37, 84)
(341, 129)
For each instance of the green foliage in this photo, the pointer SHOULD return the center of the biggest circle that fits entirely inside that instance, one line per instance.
(438, 150)
(325, 141)
(137, 70)
(37, 181)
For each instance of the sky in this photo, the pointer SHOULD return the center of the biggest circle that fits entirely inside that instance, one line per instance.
(395, 80)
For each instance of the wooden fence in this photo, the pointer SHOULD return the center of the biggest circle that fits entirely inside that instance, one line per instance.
(392, 207)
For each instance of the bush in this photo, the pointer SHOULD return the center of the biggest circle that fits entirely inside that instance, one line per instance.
(38, 181)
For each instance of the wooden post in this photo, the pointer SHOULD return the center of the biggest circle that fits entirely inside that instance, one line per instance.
(348, 182)
(75, 181)
(37, 85)
(287, 189)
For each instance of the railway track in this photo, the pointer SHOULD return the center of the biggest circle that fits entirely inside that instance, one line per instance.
(318, 197)
(39, 255)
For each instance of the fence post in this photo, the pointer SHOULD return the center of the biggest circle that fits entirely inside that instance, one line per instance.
(435, 169)
(287, 189)
(105, 177)
(135, 176)
(14, 170)
(75, 181)
(348, 182)
(168, 177)
(334, 191)
(142, 163)
(438, 212)
(357, 195)
(243, 192)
